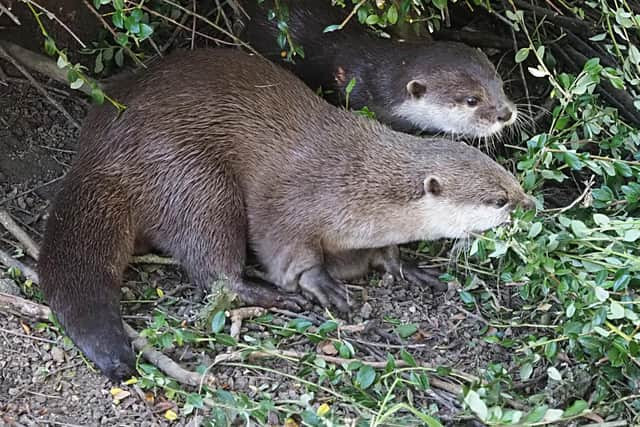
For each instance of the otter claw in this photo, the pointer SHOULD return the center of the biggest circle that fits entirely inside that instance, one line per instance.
(318, 285)
(424, 277)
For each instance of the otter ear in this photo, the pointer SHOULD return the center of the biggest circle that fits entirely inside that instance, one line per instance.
(432, 185)
(417, 88)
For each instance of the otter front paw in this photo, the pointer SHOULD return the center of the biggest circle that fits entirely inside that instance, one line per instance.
(317, 284)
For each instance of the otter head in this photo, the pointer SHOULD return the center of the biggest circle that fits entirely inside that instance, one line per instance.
(466, 192)
(454, 89)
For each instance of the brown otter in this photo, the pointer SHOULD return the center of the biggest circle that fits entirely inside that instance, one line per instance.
(440, 87)
(246, 154)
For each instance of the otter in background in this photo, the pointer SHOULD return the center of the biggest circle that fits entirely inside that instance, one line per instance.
(435, 87)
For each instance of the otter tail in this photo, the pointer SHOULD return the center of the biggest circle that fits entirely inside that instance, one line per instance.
(88, 241)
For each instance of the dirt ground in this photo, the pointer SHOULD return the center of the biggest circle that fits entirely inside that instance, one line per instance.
(44, 381)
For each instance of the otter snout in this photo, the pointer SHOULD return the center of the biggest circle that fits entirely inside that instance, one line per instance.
(527, 203)
(505, 114)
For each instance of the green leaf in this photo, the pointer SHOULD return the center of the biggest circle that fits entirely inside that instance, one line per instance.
(99, 65)
(579, 228)
(578, 407)
(372, 20)
(572, 160)
(550, 350)
(327, 327)
(535, 229)
(225, 339)
(145, 31)
(122, 39)
(331, 28)
(119, 57)
(195, 400)
(392, 15)
(97, 95)
(405, 331)
(408, 358)
(218, 321)
(522, 54)
(76, 84)
(118, 20)
(366, 376)
(616, 311)
(536, 415)
(554, 374)
(601, 294)
(631, 235)
(49, 46)
(552, 415)
(476, 404)
(525, 371)
(601, 220)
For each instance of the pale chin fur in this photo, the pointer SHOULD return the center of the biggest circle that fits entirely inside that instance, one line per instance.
(429, 116)
(443, 219)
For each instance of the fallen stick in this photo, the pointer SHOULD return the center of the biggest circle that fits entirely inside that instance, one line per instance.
(40, 64)
(240, 314)
(13, 228)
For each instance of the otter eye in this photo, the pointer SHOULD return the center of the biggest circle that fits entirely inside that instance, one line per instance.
(472, 101)
(500, 202)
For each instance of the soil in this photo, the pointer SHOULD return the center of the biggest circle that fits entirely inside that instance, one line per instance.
(45, 381)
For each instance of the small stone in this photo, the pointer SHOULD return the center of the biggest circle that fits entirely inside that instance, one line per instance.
(57, 354)
(366, 310)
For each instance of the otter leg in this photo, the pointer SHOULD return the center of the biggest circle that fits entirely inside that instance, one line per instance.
(209, 237)
(89, 238)
(388, 259)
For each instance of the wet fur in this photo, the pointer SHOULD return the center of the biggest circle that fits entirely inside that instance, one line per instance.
(218, 151)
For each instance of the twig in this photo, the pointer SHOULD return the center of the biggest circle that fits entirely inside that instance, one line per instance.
(53, 17)
(31, 337)
(164, 363)
(41, 312)
(11, 16)
(24, 307)
(4, 54)
(240, 314)
(193, 25)
(183, 27)
(31, 190)
(221, 12)
(17, 232)
(588, 186)
(353, 12)
(153, 259)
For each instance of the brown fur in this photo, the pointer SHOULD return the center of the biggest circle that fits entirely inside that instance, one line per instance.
(218, 150)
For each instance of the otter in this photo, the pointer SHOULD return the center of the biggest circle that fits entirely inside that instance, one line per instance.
(443, 87)
(246, 155)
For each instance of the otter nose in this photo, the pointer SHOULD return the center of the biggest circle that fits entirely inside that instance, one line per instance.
(528, 203)
(505, 114)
